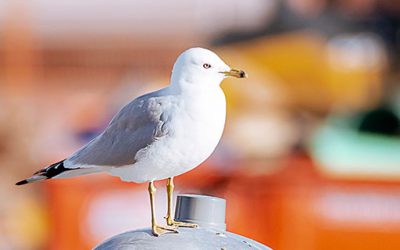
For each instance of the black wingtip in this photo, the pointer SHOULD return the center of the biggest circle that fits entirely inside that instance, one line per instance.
(45, 173)
(22, 182)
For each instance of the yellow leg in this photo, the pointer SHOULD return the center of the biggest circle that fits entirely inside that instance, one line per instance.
(156, 229)
(169, 218)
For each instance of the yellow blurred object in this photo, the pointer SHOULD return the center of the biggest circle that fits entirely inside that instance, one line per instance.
(27, 224)
(301, 64)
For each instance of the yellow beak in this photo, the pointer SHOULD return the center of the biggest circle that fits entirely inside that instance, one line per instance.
(238, 73)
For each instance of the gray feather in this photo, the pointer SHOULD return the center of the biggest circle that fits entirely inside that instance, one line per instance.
(133, 128)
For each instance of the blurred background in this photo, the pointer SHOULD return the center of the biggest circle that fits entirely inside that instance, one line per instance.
(310, 158)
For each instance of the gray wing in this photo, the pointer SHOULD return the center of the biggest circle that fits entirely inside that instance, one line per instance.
(134, 127)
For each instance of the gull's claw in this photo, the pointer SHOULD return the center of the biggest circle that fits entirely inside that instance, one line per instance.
(173, 223)
(159, 230)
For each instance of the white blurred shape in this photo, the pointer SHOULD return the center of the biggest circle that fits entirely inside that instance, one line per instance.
(358, 209)
(356, 51)
(267, 135)
(141, 17)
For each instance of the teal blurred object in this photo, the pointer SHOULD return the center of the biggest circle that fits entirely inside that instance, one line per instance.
(341, 150)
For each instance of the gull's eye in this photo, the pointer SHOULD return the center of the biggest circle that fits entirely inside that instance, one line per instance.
(206, 66)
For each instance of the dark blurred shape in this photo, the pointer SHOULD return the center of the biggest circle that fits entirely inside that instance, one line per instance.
(381, 120)
(87, 135)
(330, 18)
(325, 19)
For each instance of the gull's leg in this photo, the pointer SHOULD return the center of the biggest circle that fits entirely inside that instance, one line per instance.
(169, 218)
(156, 229)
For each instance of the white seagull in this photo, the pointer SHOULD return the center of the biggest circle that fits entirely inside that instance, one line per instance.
(161, 134)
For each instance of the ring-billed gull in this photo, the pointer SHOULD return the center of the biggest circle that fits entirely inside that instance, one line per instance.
(161, 134)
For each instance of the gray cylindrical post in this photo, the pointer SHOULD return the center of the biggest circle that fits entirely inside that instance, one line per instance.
(205, 211)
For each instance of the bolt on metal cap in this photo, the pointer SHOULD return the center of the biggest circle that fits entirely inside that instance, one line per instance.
(205, 211)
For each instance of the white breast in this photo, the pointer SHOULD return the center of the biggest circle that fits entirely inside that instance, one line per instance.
(205, 124)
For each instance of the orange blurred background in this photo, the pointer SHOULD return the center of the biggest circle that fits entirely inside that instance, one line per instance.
(310, 157)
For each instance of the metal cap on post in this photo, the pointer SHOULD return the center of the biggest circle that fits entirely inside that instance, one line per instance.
(205, 211)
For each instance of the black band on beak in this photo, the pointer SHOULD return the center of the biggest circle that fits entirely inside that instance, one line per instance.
(238, 73)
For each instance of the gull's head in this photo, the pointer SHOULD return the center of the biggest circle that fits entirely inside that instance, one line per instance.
(202, 67)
